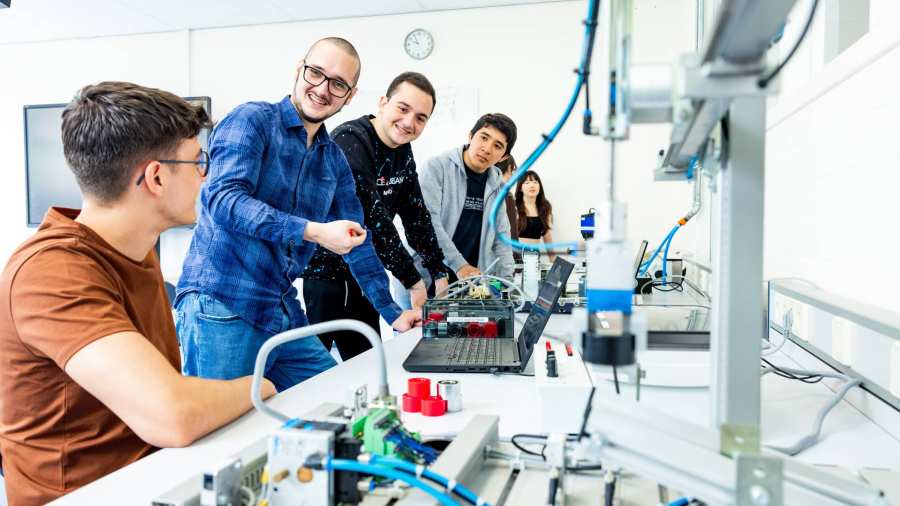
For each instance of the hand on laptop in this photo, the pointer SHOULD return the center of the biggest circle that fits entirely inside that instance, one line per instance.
(407, 320)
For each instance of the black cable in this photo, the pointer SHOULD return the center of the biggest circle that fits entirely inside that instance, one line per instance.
(764, 81)
(569, 437)
(723, 127)
(587, 95)
(805, 379)
(616, 380)
(660, 286)
(810, 379)
(587, 414)
(526, 450)
(587, 122)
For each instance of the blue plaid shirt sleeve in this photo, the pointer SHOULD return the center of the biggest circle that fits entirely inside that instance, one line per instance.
(362, 260)
(236, 153)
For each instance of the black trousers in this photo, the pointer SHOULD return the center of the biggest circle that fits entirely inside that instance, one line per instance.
(334, 300)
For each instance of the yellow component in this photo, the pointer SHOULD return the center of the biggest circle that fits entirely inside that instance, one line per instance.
(264, 478)
(304, 475)
(262, 502)
(280, 475)
(479, 292)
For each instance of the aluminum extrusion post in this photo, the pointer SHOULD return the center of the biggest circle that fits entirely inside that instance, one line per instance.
(737, 297)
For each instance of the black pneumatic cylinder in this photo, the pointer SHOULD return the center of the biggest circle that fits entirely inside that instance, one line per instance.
(608, 350)
(552, 370)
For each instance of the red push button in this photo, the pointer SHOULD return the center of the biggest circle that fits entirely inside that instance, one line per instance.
(411, 404)
(434, 406)
(418, 387)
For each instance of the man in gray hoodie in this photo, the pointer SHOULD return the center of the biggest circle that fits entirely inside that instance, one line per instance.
(459, 188)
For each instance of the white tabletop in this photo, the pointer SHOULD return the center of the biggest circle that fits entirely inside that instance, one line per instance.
(850, 439)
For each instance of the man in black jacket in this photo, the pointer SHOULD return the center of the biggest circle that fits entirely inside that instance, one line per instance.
(387, 184)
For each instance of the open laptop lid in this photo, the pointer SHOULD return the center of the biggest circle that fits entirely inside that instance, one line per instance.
(548, 295)
(639, 259)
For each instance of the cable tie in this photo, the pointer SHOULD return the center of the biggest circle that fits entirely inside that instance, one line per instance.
(451, 485)
(420, 470)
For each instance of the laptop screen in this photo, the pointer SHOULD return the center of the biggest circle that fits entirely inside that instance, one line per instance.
(542, 307)
(639, 259)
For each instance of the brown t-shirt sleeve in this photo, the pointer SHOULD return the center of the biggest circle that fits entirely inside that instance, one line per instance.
(63, 300)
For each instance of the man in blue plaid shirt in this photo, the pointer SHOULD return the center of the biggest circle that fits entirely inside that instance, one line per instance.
(277, 187)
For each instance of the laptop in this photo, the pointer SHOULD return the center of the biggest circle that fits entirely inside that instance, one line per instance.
(478, 354)
(638, 260)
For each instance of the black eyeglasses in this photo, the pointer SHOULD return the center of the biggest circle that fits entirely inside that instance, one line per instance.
(336, 86)
(202, 165)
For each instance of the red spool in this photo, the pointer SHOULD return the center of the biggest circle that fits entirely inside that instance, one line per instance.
(434, 406)
(474, 330)
(490, 329)
(435, 316)
(411, 404)
(419, 388)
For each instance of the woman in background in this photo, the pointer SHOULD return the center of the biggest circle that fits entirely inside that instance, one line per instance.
(507, 168)
(534, 213)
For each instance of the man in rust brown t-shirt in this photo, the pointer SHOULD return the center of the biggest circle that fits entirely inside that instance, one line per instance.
(90, 377)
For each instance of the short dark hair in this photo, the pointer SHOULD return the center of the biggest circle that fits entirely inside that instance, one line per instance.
(110, 128)
(500, 122)
(416, 79)
(347, 47)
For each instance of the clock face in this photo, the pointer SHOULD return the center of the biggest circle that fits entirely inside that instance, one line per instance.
(419, 44)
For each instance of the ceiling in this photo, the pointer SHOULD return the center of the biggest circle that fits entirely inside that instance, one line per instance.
(42, 20)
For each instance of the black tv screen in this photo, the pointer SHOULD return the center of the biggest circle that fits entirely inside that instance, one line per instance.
(48, 180)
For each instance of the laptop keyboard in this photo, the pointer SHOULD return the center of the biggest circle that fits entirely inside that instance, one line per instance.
(474, 351)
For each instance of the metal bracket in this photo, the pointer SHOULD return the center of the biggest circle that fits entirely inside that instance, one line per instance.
(699, 84)
(759, 481)
(357, 401)
(739, 440)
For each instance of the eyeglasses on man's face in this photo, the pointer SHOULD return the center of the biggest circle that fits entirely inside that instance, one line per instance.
(202, 165)
(336, 85)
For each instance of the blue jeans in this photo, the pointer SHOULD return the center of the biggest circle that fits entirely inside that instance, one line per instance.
(217, 344)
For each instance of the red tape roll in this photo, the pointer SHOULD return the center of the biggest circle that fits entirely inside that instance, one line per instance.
(434, 406)
(418, 387)
(411, 404)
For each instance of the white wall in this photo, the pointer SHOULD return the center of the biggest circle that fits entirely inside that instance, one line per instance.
(831, 174)
(831, 191)
(516, 60)
(51, 72)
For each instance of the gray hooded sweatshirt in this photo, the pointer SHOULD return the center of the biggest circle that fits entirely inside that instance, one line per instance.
(443, 182)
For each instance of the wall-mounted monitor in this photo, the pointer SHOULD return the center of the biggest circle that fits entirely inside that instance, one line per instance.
(48, 179)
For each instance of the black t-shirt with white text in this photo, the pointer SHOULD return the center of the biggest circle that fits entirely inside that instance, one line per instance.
(467, 236)
(387, 184)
